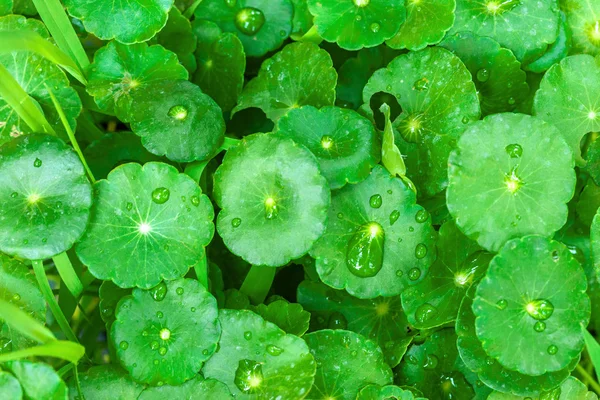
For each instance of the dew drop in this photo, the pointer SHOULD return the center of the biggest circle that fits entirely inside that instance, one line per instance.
(144, 333)
(179, 290)
(236, 222)
(375, 201)
(164, 334)
(540, 309)
(193, 309)
(399, 273)
(247, 335)
(431, 362)
(421, 85)
(124, 345)
(502, 304)
(205, 352)
(414, 274)
(37, 163)
(511, 101)
(425, 312)
(337, 321)
(155, 362)
(375, 27)
(421, 216)
(274, 350)
(195, 200)
(159, 314)
(514, 150)
(162, 351)
(16, 297)
(340, 216)
(159, 291)
(555, 256)
(420, 251)
(394, 215)
(14, 194)
(249, 20)
(539, 326)
(465, 120)
(483, 75)
(154, 345)
(412, 359)
(129, 206)
(161, 195)
(364, 256)
(552, 349)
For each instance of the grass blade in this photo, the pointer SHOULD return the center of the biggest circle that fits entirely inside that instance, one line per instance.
(62, 349)
(31, 41)
(20, 321)
(67, 274)
(56, 20)
(593, 349)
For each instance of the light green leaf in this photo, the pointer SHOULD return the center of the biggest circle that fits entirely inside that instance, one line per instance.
(105, 382)
(391, 157)
(196, 388)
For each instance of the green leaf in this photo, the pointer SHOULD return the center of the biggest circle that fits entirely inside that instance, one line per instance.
(500, 82)
(519, 185)
(148, 224)
(300, 74)
(164, 335)
(105, 382)
(345, 143)
(437, 99)
(303, 19)
(282, 213)
(593, 349)
(221, 64)
(24, 7)
(588, 204)
(121, 20)
(196, 388)
(582, 17)
(290, 317)
(433, 367)
(258, 360)
(345, 362)
(531, 305)
(460, 263)
(10, 387)
(177, 36)
(354, 24)
(38, 380)
(119, 71)
(489, 370)
(556, 51)
(511, 24)
(168, 115)
(568, 98)
(378, 240)
(261, 25)
(381, 319)
(426, 23)
(46, 197)
(391, 158)
(19, 288)
(570, 389)
(110, 294)
(5, 9)
(593, 159)
(376, 392)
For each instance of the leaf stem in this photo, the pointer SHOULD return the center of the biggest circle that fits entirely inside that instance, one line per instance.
(587, 377)
(201, 269)
(190, 10)
(312, 36)
(67, 274)
(258, 283)
(40, 274)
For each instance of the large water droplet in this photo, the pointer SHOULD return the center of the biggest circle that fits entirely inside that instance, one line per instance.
(178, 112)
(375, 201)
(540, 309)
(249, 20)
(274, 350)
(248, 376)
(159, 291)
(364, 257)
(514, 150)
(420, 251)
(161, 195)
(425, 312)
(337, 321)
(414, 274)
(421, 84)
(37, 163)
(483, 75)
(431, 362)
(394, 215)
(421, 216)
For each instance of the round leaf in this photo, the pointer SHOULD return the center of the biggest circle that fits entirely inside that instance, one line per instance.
(10, 387)
(45, 197)
(489, 370)
(280, 215)
(261, 25)
(38, 380)
(526, 27)
(196, 388)
(257, 360)
(583, 17)
(378, 240)
(437, 98)
(354, 24)
(177, 120)
(19, 287)
(556, 51)
(177, 36)
(128, 22)
(164, 335)
(531, 305)
(346, 361)
(569, 98)
(105, 382)
(119, 71)
(510, 176)
(148, 224)
(345, 143)
(426, 23)
(376, 392)
(110, 294)
(290, 317)
(497, 74)
(300, 74)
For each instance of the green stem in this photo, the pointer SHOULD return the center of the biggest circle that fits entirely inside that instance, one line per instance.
(77, 384)
(194, 169)
(190, 10)
(258, 283)
(67, 274)
(201, 269)
(312, 36)
(592, 382)
(228, 143)
(40, 274)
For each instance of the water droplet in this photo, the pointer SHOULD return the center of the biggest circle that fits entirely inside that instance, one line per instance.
(483, 75)
(358, 18)
(421, 216)
(248, 376)
(144, 333)
(16, 297)
(205, 352)
(274, 350)
(399, 273)
(412, 359)
(159, 314)
(411, 229)
(161, 195)
(420, 251)
(431, 362)
(129, 206)
(179, 290)
(375, 201)
(249, 20)
(539, 326)
(514, 150)
(340, 216)
(414, 274)
(364, 257)
(511, 101)
(465, 120)
(155, 362)
(421, 84)
(425, 312)
(236, 222)
(195, 200)
(394, 215)
(552, 349)
(555, 256)
(502, 304)
(337, 321)
(14, 194)
(37, 163)
(162, 351)
(354, 353)
(154, 345)
(178, 112)
(193, 309)
(247, 335)
(540, 309)
(375, 27)
(124, 345)
(159, 291)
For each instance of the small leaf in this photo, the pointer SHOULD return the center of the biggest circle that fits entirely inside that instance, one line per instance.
(593, 348)
(391, 157)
